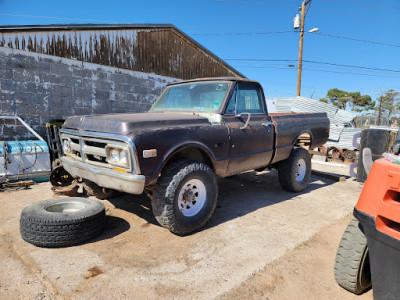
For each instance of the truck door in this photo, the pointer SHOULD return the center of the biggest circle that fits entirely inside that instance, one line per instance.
(250, 129)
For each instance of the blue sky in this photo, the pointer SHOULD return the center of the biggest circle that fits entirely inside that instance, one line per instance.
(257, 30)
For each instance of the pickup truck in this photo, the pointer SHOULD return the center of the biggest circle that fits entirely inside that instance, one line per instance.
(196, 131)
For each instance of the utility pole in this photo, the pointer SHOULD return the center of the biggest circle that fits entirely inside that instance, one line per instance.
(303, 16)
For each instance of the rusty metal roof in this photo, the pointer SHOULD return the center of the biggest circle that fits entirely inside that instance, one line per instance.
(85, 27)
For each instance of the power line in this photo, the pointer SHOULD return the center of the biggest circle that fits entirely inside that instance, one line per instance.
(317, 70)
(357, 40)
(315, 62)
(57, 18)
(291, 31)
(375, 4)
(243, 33)
(320, 9)
(256, 3)
(363, 4)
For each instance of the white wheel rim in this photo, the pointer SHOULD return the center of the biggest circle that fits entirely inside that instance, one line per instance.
(65, 207)
(300, 170)
(192, 197)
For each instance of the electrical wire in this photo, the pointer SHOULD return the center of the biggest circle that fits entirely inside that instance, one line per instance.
(57, 18)
(256, 3)
(243, 33)
(357, 40)
(318, 70)
(314, 62)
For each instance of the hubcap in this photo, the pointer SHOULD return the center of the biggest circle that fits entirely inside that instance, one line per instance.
(192, 197)
(300, 170)
(65, 207)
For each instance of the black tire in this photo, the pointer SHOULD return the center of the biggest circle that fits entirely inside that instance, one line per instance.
(171, 210)
(59, 177)
(92, 189)
(288, 174)
(352, 268)
(62, 222)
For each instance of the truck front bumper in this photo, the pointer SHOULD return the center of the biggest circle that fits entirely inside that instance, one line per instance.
(111, 179)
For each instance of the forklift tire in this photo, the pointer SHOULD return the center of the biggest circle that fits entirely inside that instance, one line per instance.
(352, 268)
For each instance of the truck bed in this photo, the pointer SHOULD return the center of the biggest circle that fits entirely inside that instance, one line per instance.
(290, 126)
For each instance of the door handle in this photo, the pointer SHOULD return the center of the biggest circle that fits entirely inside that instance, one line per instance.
(267, 125)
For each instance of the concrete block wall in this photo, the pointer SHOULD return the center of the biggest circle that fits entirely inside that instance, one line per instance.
(39, 88)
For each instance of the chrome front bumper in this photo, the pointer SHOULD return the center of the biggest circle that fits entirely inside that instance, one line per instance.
(111, 179)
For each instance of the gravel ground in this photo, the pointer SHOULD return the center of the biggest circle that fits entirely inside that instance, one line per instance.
(257, 231)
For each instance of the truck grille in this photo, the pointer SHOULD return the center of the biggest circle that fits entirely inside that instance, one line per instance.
(94, 151)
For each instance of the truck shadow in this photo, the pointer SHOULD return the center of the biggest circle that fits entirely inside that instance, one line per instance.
(238, 196)
(246, 193)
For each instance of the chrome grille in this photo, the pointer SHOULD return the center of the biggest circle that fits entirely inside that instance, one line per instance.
(93, 150)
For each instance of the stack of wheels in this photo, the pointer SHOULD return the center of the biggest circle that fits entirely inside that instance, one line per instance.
(62, 222)
(378, 141)
(349, 155)
(352, 268)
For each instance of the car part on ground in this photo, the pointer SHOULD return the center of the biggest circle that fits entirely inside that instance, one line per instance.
(62, 222)
(352, 268)
(185, 196)
(93, 189)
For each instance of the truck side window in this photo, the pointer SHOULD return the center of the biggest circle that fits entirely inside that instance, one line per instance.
(248, 99)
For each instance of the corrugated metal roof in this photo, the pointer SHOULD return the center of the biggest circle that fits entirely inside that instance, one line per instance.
(337, 117)
(158, 48)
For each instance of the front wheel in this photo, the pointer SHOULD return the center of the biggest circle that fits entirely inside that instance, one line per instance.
(295, 172)
(185, 196)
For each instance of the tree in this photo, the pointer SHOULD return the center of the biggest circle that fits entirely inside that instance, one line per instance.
(343, 99)
(389, 104)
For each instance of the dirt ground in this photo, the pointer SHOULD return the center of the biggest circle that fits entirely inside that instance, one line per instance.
(261, 243)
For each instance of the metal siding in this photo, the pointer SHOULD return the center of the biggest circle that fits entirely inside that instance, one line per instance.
(337, 117)
(163, 51)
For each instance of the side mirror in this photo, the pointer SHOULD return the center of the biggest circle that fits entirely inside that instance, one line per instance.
(247, 121)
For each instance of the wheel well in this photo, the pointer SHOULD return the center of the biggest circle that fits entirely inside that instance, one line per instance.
(191, 153)
(304, 140)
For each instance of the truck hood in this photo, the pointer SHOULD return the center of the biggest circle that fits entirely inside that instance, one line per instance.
(123, 124)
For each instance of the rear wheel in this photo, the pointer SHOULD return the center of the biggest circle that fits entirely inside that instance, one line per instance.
(185, 196)
(352, 268)
(295, 172)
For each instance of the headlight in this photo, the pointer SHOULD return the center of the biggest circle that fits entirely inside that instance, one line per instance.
(123, 159)
(118, 157)
(114, 155)
(66, 146)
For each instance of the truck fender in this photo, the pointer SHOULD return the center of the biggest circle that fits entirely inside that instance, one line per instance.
(306, 131)
(173, 151)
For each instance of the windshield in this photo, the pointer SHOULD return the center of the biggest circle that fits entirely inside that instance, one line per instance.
(192, 97)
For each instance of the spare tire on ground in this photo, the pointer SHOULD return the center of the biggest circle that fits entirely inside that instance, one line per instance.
(62, 221)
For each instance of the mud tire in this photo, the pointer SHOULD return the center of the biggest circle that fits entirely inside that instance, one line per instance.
(352, 268)
(288, 171)
(165, 202)
(62, 221)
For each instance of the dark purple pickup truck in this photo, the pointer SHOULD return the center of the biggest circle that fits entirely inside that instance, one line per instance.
(195, 131)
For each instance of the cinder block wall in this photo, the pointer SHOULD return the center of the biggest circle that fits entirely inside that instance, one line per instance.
(39, 88)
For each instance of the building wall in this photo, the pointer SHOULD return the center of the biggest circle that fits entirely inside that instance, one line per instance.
(164, 50)
(40, 88)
